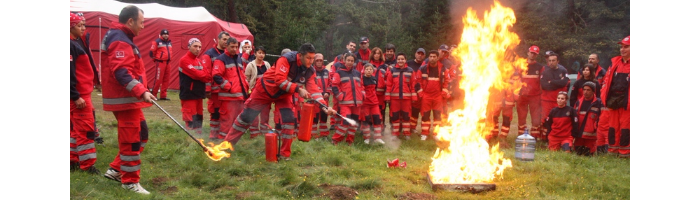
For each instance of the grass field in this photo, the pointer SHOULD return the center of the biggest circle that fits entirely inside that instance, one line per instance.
(174, 167)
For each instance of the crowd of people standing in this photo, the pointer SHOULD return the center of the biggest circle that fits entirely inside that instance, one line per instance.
(368, 86)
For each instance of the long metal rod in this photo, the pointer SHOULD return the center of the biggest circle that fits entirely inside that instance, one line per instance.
(351, 121)
(182, 127)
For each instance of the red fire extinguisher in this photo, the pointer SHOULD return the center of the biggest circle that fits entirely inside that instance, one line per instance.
(271, 146)
(306, 121)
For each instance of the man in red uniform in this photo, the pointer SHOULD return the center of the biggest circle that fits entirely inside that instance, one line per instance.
(554, 79)
(415, 105)
(124, 93)
(230, 75)
(434, 78)
(193, 77)
(616, 97)
(400, 85)
(348, 87)
(530, 95)
(161, 50)
(323, 80)
(213, 102)
(82, 120)
(588, 109)
(292, 73)
(363, 54)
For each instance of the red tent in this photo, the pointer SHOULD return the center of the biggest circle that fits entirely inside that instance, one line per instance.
(182, 23)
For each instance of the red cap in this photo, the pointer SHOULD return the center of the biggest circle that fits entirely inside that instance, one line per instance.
(625, 41)
(534, 49)
(75, 19)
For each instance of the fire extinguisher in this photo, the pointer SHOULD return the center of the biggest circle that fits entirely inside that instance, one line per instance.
(306, 121)
(272, 146)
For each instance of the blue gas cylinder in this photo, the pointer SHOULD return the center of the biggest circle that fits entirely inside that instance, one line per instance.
(525, 147)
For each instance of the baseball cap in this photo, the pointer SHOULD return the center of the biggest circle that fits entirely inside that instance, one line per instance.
(164, 31)
(625, 41)
(548, 52)
(534, 49)
(364, 39)
(420, 50)
(444, 47)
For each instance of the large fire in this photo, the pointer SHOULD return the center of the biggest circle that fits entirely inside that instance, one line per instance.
(487, 58)
(216, 152)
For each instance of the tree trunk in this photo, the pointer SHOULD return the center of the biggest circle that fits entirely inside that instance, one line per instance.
(232, 14)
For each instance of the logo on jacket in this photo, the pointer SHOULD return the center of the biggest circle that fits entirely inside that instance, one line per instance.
(119, 54)
(71, 58)
(568, 113)
(302, 79)
(283, 69)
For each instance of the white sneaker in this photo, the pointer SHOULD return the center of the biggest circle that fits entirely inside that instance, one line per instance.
(136, 187)
(113, 174)
(407, 137)
(366, 141)
(380, 141)
(423, 137)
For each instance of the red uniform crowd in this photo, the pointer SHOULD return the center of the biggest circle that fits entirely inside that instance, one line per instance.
(366, 86)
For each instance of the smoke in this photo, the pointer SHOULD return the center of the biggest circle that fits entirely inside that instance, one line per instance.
(391, 142)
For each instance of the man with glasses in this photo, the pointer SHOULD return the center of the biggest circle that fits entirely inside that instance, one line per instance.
(161, 51)
(554, 79)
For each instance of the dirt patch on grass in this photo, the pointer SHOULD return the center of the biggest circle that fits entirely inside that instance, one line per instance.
(244, 195)
(338, 192)
(415, 196)
(159, 181)
(170, 190)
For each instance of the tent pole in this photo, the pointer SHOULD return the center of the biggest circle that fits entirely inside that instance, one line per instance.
(100, 54)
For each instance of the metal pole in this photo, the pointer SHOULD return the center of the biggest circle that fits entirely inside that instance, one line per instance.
(182, 127)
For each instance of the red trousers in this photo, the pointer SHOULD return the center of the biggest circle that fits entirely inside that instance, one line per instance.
(161, 81)
(229, 110)
(433, 104)
(400, 111)
(371, 117)
(505, 125)
(261, 123)
(531, 103)
(352, 112)
(619, 132)
(602, 131)
(82, 134)
(132, 134)
(320, 128)
(258, 101)
(213, 106)
(555, 143)
(192, 114)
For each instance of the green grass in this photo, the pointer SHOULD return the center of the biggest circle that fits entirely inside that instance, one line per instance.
(174, 167)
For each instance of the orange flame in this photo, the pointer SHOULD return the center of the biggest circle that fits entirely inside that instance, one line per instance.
(488, 62)
(215, 152)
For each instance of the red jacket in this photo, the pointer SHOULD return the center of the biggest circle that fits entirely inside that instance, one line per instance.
(230, 75)
(348, 86)
(123, 73)
(207, 59)
(161, 49)
(554, 81)
(400, 83)
(588, 115)
(323, 80)
(370, 85)
(531, 80)
(283, 79)
(380, 75)
(562, 122)
(432, 81)
(193, 76)
(619, 73)
(82, 76)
